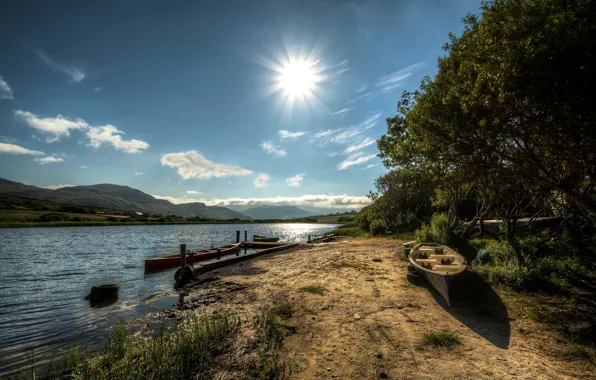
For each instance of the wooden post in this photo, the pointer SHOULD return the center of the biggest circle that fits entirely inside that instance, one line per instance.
(237, 236)
(308, 241)
(245, 236)
(182, 256)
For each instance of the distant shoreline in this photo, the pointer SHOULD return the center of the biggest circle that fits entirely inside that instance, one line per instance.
(107, 224)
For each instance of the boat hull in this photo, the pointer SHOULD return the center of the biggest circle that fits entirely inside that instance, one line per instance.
(166, 262)
(440, 281)
(263, 239)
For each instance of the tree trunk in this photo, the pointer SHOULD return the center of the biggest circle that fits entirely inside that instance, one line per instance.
(512, 240)
(481, 226)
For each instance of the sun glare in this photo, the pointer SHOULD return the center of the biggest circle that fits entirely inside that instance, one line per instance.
(298, 79)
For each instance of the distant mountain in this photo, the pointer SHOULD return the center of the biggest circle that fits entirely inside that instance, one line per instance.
(276, 212)
(116, 197)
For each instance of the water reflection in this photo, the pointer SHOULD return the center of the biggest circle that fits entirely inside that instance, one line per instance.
(47, 272)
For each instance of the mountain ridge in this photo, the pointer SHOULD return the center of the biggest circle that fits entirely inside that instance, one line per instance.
(276, 212)
(116, 197)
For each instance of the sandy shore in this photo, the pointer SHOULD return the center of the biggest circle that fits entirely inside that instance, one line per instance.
(369, 322)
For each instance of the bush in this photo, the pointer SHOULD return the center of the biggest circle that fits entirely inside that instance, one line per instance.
(53, 217)
(436, 232)
(377, 226)
(343, 219)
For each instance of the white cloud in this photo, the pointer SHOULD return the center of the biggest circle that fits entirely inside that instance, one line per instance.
(192, 164)
(355, 159)
(359, 145)
(192, 192)
(56, 127)
(15, 149)
(48, 160)
(54, 187)
(318, 201)
(75, 74)
(98, 89)
(272, 149)
(283, 134)
(138, 173)
(295, 180)
(362, 88)
(346, 135)
(397, 78)
(342, 112)
(109, 134)
(176, 200)
(83, 167)
(262, 180)
(5, 90)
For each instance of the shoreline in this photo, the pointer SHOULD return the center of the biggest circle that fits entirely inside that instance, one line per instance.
(105, 224)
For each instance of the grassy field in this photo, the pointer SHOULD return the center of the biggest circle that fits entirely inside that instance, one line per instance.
(25, 216)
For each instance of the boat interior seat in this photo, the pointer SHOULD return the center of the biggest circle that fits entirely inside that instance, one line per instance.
(431, 261)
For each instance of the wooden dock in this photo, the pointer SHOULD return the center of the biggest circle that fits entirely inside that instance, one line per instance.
(203, 268)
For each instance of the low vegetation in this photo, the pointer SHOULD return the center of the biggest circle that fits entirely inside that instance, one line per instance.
(441, 339)
(313, 289)
(198, 348)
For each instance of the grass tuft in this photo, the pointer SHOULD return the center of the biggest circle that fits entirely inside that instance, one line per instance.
(283, 310)
(314, 289)
(443, 339)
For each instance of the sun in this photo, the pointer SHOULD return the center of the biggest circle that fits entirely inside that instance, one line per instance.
(298, 78)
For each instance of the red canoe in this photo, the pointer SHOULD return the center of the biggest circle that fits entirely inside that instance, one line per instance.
(171, 261)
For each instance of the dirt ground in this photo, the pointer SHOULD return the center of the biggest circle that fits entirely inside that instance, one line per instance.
(370, 321)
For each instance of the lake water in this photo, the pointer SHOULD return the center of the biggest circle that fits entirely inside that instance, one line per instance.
(45, 273)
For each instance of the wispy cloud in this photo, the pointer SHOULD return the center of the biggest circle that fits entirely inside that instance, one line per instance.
(342, 67)
(355, 100)
(369, 166)
(56, 127)
(98, 89)
(272, 149)
(75, 74)
(317, 201)
(139, 173)
(295, 180)
(262, 180)
(397, 78)
(16, 149)
(192, 192)
(55, 187)
(5, 90)
(342, 112)
(355, 159)
(48, 160)
(108, 134)
(359, 145)
(362, 88)
(193, 164)
(176, 200)
(287, 135)
(83, 167)
(346, 135)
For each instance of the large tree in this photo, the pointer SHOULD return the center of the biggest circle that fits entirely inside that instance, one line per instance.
(512, 94)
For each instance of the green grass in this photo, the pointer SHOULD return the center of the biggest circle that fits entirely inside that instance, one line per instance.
(350, 231)
(314, 289)
(441, 339)
(283, 310)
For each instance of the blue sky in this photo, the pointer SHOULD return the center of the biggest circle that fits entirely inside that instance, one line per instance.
(230, 102)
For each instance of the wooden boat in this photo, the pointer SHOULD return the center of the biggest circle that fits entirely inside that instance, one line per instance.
(171, 261)
(322, 239)
(438, 264)
(264, 239)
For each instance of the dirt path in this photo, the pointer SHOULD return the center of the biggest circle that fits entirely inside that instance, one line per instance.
(369, 322)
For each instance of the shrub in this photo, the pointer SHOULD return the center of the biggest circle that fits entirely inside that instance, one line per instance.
(436, 232)
(445, 339)
(53, 217)
(377, 226)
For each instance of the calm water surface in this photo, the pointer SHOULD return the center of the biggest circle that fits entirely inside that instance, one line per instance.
(47, 272)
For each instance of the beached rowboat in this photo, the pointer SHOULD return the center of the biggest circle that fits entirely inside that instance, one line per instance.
(171, 261)
(438, 264)
(264, 239)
